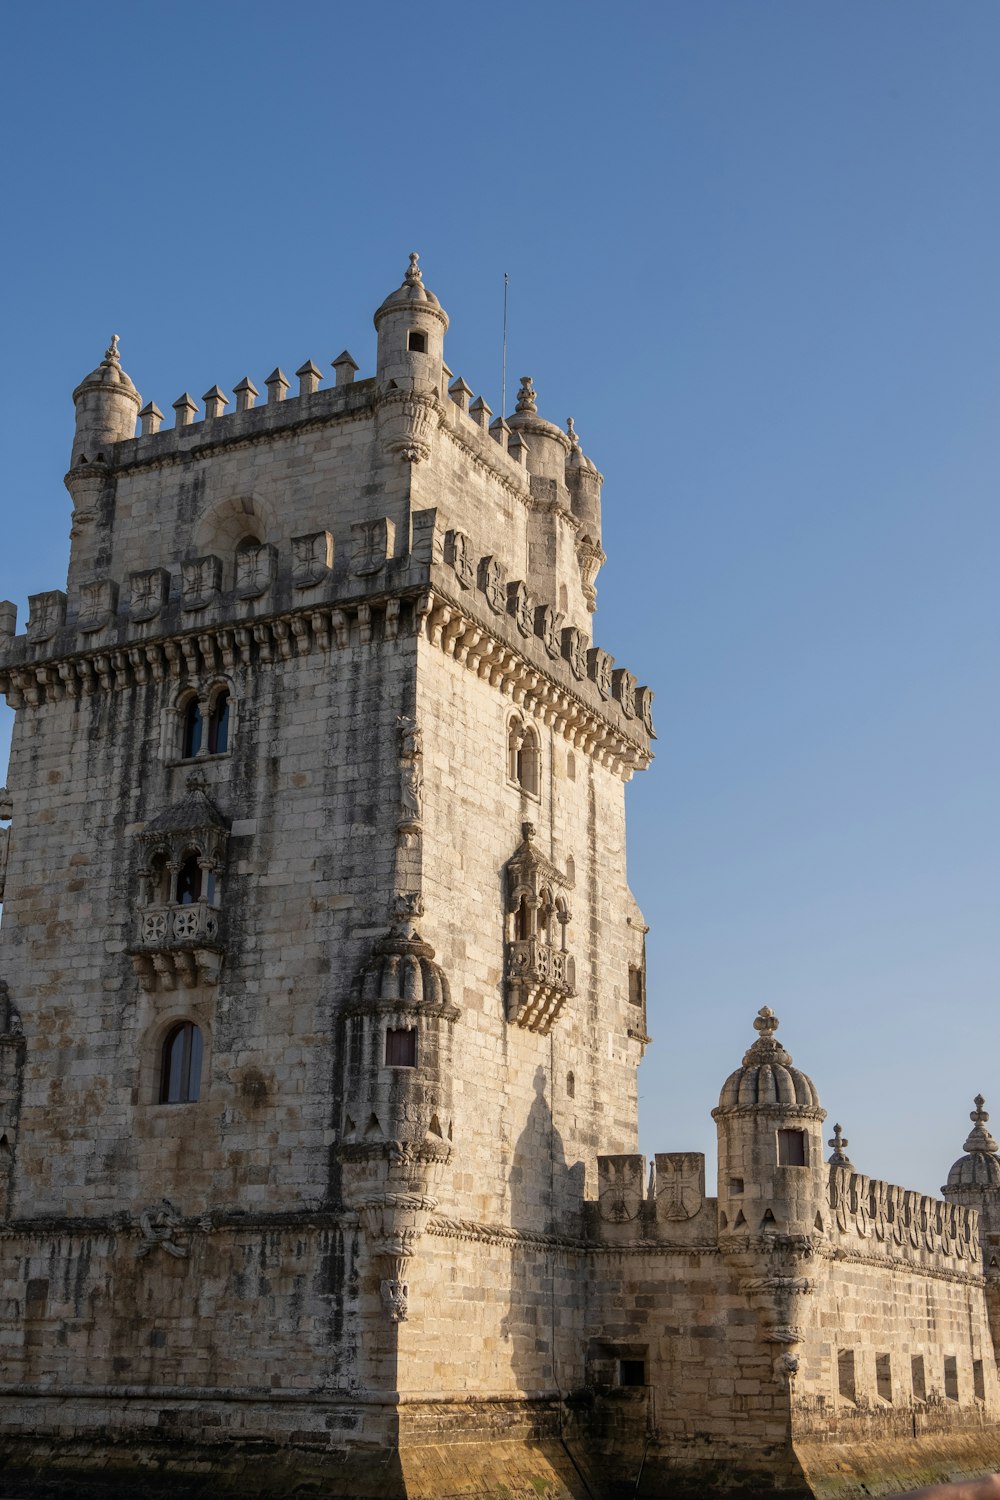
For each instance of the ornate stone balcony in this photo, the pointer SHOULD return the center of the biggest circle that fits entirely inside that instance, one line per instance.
(178, 941)
(539, 981)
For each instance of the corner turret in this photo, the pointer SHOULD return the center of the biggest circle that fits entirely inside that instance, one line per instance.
(769, 1118)
(411, 326)
(974, 1180)
(107, 406)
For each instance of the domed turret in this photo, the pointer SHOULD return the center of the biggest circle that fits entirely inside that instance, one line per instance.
(107, 405)
(411, 326)
(548, 446)
(769, 1119)
(976, 1174)
(397, 1060)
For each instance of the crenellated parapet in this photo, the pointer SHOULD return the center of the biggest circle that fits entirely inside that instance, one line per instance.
(870, 1217)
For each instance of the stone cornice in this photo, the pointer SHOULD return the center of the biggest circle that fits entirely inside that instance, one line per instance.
(357, 620)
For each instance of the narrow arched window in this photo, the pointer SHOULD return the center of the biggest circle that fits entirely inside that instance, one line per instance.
(522, 921)
(515, 735)
(189, 881)
(218, 724)
(159, 881)
(180, 1064)
(191, 731)
(528, 762)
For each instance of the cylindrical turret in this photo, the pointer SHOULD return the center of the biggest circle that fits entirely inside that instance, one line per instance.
(411, 326)
(974, 1180)
(107, 405)
(547, 445)
(771, 1169)
(397, 1062)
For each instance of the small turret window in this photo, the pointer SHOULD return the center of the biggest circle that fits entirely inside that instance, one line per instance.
(401, 1048)
(180, 1072)
(416, 341)
(792, 1148)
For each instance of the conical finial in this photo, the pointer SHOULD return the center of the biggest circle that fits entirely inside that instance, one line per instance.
(527, 396)
(414, 276)
(571, 432)
(979, 1137)
(839, 1143)
(111, 355)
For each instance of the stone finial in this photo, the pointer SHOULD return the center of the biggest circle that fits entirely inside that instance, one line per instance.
(527, 397)
(246, 394)
(481, 413)
(414, 276)
(766, 1049)
(527, 832)
(839, 1143)
(150, 418)
(277, 385)
(500, 432)
(186, 408)
(460, 393)
(310, 376)
(215, 401)
(346, 367)
(979, 1137)
(571, 433)
(111, 355)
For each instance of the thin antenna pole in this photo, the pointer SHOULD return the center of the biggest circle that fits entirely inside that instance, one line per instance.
(503, 378)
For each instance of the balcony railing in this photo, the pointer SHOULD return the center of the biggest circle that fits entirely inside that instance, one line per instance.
(178, 942)
(540, 979)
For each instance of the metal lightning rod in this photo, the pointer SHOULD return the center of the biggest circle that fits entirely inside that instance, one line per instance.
(503, 378)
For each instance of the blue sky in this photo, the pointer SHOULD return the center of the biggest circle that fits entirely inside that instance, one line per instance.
(753, 250)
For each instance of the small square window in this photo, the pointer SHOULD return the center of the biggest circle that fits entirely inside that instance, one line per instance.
(791, 1148)
(401, 1048)
(631, 1372)
(735, 1187)
(416, 342)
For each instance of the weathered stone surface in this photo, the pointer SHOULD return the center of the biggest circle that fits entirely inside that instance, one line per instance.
(323, 1000)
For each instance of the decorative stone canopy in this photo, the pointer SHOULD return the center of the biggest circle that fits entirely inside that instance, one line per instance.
(412, 295)
(980, 1168)
(109, 374)
(402, 975)
(767, 1079)
(195, 811)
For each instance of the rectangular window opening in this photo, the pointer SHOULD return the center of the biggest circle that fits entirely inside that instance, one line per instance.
(416, 342)
(735, 1187)
(978, 1380)
(883, 1376)
(917, 1377)
(631, 1372)
(845, 1375)
(950, 1378)
(792, 1148)
(636, 985)
(401, 1048)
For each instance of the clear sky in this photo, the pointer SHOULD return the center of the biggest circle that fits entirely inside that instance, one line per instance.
(753, 249)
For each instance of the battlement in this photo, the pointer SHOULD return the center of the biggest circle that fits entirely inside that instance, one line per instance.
(878, 1217)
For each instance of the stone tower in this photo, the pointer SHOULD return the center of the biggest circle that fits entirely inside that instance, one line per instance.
(324, 985)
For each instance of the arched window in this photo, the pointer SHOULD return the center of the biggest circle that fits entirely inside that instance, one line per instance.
(522, 921)
(180, 1064)
(189, 881)
(570, 1086)
(191, 731)
(218, 724)
(524, 756)
(159, 880)
(529, 762)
